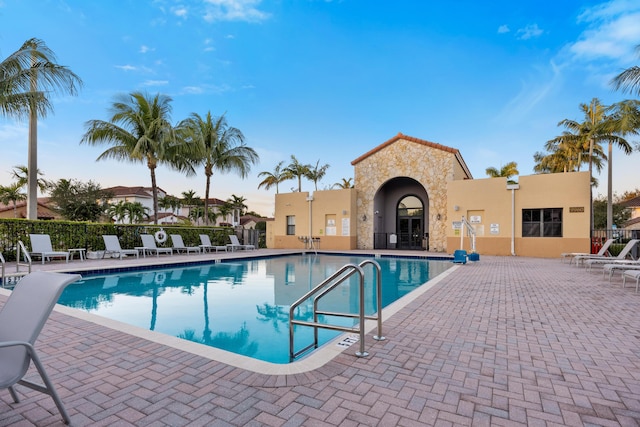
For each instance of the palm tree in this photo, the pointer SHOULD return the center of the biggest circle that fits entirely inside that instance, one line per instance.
(506, 171)
(273, 178)
(316, 173)
(225, 210)
(238, 205)
(346, 183)
(12, 193)
(117, 211)
(139, 131)
(625, 120)
(27, 78)
(21, 174)
(597, 127)
(296, 170)
(629, 79)
(220, 147)
(136, 212)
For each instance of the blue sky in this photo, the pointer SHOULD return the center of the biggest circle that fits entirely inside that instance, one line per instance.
(326, 80)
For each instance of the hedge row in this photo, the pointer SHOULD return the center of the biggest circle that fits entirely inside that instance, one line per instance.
(69, 234)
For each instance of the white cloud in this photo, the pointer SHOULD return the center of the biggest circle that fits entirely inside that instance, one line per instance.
(126, 67)
(180, 11)
(528, 32)
(503, 29)
(155, 83)
(613, 29)
(234, 10)
(145, 49)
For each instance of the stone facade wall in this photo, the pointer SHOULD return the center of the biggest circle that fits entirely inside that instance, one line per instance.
(431, 167)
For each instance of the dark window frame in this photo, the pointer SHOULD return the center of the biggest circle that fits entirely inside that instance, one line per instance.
(291, 225)
(542, 222)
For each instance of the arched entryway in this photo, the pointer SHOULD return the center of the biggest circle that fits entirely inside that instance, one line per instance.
(401, 207)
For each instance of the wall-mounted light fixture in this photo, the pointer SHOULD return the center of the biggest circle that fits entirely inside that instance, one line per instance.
(456, 208)
(376, 212)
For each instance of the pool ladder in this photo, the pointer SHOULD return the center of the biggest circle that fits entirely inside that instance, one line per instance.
(323, 289)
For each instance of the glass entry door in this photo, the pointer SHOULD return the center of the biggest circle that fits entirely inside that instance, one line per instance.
(410, 223)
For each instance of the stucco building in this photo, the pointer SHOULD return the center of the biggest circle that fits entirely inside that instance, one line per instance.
(412, 194)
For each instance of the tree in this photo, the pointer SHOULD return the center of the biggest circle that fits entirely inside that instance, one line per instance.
(117, 211)
(28, 77)
(625, 120)
(139, 131)
(600, 213)
(237, 204)
(273, 178)
(219, 147)
(629, 79)
(225, 210)
(136, 212)
(316, 173)
(295, 169)
(21, 174)
(506, 171)
(79, 201)
(346, 183)
(12, 194)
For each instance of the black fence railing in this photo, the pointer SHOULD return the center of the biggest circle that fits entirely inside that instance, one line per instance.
(401, 241)
(620, 238)
(68, 234)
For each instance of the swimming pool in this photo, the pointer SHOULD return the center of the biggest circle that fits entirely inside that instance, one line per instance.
(241, 305)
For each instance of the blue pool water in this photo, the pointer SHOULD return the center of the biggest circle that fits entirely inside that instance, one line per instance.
(242, 306)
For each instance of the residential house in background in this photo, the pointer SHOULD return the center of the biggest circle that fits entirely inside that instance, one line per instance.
(45, 211)
(634, 220)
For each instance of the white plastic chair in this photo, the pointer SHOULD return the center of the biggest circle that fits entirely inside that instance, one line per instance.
(149, 245)
(21, 319)
(41, 246)
(178, 245)
(112, 246)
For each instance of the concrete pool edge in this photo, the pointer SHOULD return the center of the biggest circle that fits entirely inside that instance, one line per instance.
(313, 361)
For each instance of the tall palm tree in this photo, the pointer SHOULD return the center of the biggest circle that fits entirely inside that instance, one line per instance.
(219, 147)
(295, 169)
(139, 131)
(625, 120)
(316, 173)
(599, 126)
(506, 171)
(12, 194)
(273, 178)
(629, 79)
(28, 77)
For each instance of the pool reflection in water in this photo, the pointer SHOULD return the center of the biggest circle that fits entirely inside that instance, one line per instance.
(242, 305)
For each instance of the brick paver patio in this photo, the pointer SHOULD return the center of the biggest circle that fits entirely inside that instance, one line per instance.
(506, 341)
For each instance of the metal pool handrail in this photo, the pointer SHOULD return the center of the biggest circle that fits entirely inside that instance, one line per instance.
(323, 289)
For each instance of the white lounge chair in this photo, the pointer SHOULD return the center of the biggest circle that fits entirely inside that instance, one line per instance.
(590, 262)
(149, 245)
(632, 274)
(235, 244)
(112, 246)
(207, 246)
(603, 250)
(619, 265)
(178, 245)
(21, 319)
(41, 246)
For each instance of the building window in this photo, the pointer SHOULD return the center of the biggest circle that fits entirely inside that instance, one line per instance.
(291, 225)
(542, 222)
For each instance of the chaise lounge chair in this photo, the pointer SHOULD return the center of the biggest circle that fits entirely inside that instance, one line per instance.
(235, 244)
(21, 319)
(619, 265)
(632, 274)
(149, 245)
(590, 262)
(112, 246)
(603, 250)
(178, 245)
(41, 246)
(207, 246)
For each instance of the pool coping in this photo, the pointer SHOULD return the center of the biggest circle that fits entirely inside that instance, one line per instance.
(316, 359)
